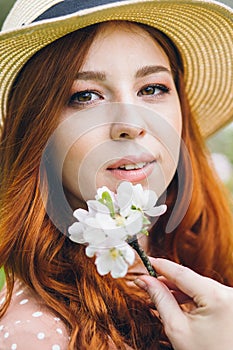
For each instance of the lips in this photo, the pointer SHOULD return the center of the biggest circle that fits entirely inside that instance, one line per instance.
(133, 168)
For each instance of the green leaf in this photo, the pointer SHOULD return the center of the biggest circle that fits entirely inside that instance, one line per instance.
(106, 199)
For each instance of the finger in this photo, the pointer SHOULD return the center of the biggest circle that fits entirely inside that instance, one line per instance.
(163, 299)
(186, 280)
(168, 283)
(180, 297)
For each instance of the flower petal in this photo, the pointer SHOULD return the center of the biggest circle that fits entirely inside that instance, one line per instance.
(124, 197)
(156, 211)
(76, 233)
(97, 207)
(138, 196)
(129, 254)
(150, 199)
(119, 268)
(134, 223)
(80, 214)
(103, 189)
(91, 223)
(103, 263)
(94, 236)
(90, 251)
(105, 221)
(114, 260)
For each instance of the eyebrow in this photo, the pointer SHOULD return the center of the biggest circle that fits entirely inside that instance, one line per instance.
(147, 70)
(91, 75)
(141, 72)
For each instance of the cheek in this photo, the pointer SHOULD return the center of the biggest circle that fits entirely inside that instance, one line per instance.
(167, 134)
(70, 167)
(82, 164)
(172, 114)
(166, 122)
(165, 168)
(170, 163)
(73, 161)
(174, 117)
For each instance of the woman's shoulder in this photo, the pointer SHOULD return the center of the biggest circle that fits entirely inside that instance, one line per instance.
(28, 322)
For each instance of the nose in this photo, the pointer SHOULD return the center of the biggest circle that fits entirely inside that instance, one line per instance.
(128, 124)
(121, 130)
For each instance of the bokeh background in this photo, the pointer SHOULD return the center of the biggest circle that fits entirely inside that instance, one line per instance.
(220, 145)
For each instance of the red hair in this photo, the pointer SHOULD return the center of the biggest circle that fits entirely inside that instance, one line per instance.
(32, 249)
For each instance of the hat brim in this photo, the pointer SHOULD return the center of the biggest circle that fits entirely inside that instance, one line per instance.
(201, 30)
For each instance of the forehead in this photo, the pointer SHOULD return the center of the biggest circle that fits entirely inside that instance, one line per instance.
(125, 37)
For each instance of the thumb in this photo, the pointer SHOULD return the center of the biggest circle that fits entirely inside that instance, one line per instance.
(166, 304)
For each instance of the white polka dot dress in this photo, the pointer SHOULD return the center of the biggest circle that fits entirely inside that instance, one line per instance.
(28, 324)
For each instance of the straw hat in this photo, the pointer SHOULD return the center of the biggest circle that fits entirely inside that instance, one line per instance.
(202, 30)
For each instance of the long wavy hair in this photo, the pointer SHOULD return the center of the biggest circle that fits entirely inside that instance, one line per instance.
(96, 309)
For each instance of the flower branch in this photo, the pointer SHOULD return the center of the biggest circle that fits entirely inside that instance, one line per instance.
(110, 226)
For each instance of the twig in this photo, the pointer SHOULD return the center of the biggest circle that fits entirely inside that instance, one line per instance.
(133, 242)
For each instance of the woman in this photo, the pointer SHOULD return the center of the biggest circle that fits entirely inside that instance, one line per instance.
(51, 284)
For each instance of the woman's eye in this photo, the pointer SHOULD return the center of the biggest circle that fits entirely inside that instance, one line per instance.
(84, 97)
(156, 89)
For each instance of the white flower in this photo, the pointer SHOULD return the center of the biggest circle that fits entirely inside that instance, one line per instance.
(93, 207)
(115, 258)
(82, 231)
(132, 224)
(103, 189)
(94, 236)
(95, 229)
(111, 222)
(76, 231)
(124, 198)
(129, 196)
(107, 198)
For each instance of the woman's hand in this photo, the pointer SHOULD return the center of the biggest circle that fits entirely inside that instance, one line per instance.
(209, 323)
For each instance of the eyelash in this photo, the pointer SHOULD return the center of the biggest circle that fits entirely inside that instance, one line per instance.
(161, 87)
(73, 101)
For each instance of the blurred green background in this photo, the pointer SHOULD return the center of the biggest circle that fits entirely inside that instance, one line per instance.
(220, 145)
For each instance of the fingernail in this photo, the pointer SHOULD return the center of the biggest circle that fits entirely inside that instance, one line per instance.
(140, 284)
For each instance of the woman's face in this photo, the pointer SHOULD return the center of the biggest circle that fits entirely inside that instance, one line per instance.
(123, 119)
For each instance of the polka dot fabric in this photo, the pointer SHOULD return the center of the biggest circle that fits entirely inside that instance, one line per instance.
(28, 324)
